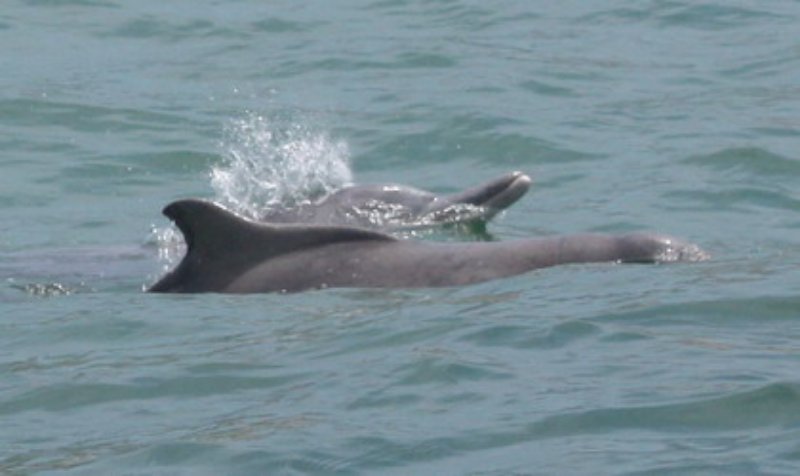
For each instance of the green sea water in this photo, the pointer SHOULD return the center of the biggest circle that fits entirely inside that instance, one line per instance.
(674, 116)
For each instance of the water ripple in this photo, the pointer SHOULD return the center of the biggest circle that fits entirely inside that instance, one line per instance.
(751, 161)
(775, 406)
(72, 395)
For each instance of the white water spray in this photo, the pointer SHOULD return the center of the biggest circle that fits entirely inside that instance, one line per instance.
(273, 163)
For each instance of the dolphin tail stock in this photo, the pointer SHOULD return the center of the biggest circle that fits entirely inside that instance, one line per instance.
(220, 244)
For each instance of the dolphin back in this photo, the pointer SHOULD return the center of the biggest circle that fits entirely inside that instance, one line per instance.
(221, 245)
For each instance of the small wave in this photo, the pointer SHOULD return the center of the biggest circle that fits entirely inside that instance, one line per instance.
(751, 160)
(273, 162)
(772, 404)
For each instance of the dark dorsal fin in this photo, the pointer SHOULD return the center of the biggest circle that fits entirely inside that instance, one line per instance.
(221, 244)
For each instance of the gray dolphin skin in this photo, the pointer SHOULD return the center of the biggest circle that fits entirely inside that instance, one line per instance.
(390, 206)
(227, 253)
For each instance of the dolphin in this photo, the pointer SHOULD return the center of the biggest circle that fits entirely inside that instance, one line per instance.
(394, 206)
(227, 253)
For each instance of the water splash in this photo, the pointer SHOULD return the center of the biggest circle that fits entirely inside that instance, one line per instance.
(171, 248)
(271, 163)
(47, 289)
(399, 217)
(677, 251)
(168, 241)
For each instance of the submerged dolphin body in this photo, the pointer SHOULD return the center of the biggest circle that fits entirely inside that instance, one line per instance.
(230, 254)
(392, 206)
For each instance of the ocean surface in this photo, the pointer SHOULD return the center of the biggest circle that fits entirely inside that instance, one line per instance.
(674, 116)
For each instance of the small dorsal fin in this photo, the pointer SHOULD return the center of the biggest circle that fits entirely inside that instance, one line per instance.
(222, 243)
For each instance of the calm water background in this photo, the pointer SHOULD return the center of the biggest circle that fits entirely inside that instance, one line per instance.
(677, 116)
